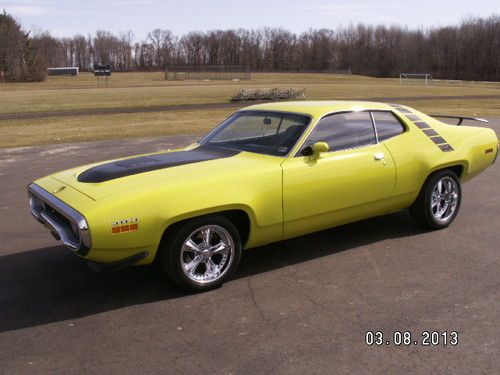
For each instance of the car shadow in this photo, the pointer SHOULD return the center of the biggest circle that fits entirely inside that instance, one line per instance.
(49, 285)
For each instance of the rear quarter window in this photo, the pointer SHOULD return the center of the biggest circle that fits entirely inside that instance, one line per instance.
(387, 125)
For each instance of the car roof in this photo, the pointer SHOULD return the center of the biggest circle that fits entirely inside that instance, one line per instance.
(318, 108)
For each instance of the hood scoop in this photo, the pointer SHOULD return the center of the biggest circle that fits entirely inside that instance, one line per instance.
(142, 164)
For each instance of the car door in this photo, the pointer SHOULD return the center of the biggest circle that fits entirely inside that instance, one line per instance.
(342, 185)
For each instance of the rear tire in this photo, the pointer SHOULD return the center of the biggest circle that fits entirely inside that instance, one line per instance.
(201, 254)
(439, 200)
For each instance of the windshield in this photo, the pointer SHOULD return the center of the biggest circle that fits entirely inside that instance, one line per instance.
(271, 133)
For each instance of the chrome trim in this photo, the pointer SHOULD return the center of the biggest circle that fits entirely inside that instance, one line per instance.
(39, 199)
(374, 126)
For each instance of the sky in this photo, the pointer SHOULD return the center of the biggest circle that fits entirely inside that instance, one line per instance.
(70, 17)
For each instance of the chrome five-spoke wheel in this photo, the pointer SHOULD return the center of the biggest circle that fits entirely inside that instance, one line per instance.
(444, 199)
(207, 253)
(439, 200)
(202, 253)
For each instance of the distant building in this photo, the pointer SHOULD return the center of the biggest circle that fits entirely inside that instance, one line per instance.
(66, 71)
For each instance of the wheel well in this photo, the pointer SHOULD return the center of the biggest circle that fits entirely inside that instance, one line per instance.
(239, 218)
(457, 169)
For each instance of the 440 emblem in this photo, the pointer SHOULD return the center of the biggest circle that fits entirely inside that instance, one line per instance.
(125, 225)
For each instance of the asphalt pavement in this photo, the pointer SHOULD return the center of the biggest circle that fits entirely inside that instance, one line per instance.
(300, 306)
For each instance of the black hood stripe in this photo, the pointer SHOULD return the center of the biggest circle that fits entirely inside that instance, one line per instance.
(142, 164)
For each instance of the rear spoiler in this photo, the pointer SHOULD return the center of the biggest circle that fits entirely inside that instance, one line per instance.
(460, 118)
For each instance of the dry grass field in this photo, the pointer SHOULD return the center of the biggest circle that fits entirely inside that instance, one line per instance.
(148, 90)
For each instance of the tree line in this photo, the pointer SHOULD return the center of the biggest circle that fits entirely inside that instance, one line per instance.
(469, 50)
(20, 60)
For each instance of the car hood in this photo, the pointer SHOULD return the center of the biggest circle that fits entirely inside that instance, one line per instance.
(147, 163)
(104, 179)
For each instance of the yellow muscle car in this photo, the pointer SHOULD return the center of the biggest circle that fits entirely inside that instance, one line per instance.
(268, 173)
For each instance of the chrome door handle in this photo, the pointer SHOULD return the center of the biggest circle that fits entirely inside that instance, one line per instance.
(379, 156)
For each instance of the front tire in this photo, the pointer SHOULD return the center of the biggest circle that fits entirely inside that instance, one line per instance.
(439, 201)
(202, 253)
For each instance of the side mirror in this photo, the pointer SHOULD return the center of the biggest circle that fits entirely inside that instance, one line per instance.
(316, 149)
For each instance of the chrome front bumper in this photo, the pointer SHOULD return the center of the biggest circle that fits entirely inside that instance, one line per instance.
(64, 222)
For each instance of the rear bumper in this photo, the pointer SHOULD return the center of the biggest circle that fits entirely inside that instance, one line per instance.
(64, 222)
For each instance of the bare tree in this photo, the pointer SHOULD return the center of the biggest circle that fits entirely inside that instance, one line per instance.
(20, 59)
(470, 50)
(162, 43)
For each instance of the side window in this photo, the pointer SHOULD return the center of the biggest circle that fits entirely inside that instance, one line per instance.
(290, 121)
(344, 130)
(387, 125)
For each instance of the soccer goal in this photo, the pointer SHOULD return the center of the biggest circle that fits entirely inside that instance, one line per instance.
(415, 79)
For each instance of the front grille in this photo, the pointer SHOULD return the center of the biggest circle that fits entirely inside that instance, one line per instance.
(68, 226)
(63, 221)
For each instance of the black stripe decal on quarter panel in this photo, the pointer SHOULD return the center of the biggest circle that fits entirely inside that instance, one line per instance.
(425, 127)
(430, 132)
(422, 124)
(142, 164)
(404, 110)
(446, 147)
(413, 117)
(438, 140)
